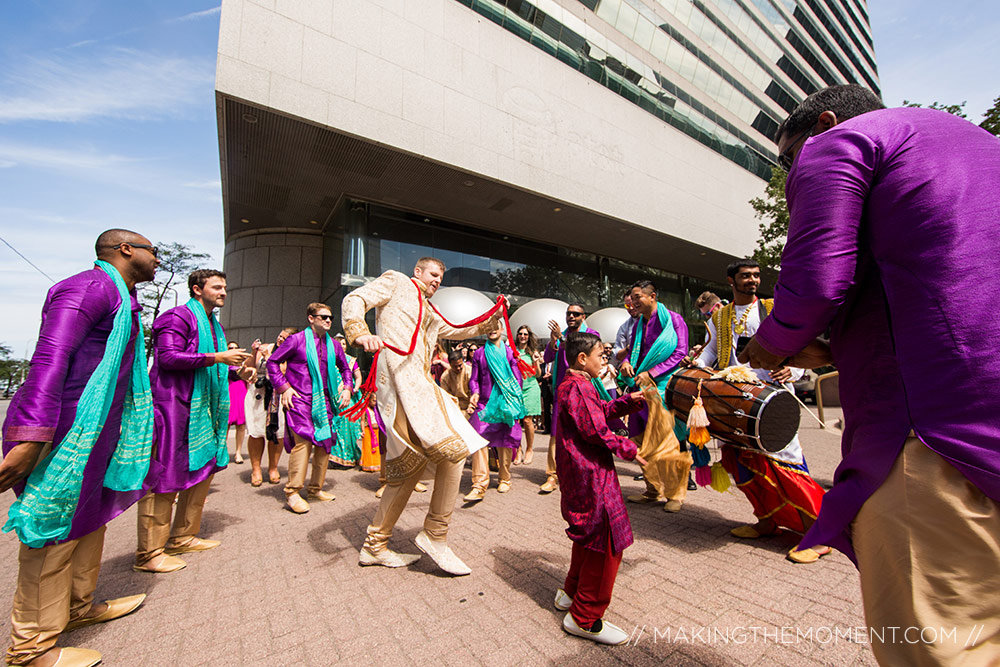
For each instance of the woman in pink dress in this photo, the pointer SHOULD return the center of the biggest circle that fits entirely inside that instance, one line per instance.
(237, 396)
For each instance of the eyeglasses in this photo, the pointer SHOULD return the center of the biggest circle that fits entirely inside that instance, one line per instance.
(328, 318)
(522, 333)
(573, 313)
(151, 248)
(786, 159)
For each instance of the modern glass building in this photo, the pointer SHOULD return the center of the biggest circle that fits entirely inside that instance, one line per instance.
(543, 148)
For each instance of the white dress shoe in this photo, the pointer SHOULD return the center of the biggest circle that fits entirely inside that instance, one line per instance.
(610, 634)
(442, 555)
(386, 557)
(562, 601)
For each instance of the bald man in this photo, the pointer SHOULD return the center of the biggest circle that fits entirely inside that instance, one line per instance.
(73, 471)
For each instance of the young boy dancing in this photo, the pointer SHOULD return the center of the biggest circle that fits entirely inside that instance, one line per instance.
(592, 502)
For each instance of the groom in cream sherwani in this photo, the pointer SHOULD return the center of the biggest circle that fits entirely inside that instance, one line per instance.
(427, 434)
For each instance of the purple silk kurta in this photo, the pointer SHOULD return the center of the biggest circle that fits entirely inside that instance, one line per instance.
(175, 359)
(591, 498)
(894, 242)
(296, 376)
(559, 370)
(637, 422)
(77, 319)
(481, 382)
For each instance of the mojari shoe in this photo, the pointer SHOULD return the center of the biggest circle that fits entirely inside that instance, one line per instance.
(116, 609)
(321, 496)
(160, 564)
(751, 533)
(643, 499)
(442, 554)
(381, 490)
(562, 601)
(475, 495)
(550, 485)
(420, 487)
(806, 556)
(69, 656)
(609, 633)
(503, 487)
(196, 544)
(297, 504)
(673, 506)
(386, 558)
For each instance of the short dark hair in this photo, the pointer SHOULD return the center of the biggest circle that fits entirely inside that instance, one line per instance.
(644, 285)
(200, 277)
(846, 101)
(456, 355)
(735, 267)
(110, 238)
(581, 341)
(578, 305)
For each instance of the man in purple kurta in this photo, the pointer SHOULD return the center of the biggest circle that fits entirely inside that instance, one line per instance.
(175, 360)
(503, 437)
(56, 582)
(555, 354)
(296, 390)
(893, 243)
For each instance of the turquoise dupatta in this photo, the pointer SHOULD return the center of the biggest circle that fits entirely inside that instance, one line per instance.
(658, 352)
(43, 513)
(208, 420)
(506, 404)
(322, 429)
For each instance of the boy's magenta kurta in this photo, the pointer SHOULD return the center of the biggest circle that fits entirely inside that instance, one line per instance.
(77, 319)
(592, 502)
(894, 242)
(175, 359)
(296, 376)
(481, 382)
(557, 357)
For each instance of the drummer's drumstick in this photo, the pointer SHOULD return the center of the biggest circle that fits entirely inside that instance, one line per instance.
(806, 408)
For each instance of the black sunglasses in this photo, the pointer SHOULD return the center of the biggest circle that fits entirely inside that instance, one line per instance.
(786, 159)
(572, 313)
(328, 318)
(151, 248)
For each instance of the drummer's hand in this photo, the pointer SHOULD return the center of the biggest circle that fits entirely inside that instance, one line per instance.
(641, 461)
(781, 375)
(758, 357)
(813, 355)
(626, 369)
(689, 360)
(370, 343)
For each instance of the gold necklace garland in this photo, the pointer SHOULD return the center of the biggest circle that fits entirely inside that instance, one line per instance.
(741, 326)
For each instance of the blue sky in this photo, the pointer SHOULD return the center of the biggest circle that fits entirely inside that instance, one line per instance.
(107, 119)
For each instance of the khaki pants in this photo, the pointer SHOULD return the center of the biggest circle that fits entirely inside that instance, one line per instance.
(928, 549)
(447, 477)
(55, 584)
(550, 461)
(481, 466)
(155, 531)
(298, 461)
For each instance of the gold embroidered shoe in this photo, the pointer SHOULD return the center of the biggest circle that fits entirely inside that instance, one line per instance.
(321, 495)
(673, 506)
(116, 609)
(386, 558)
(195, 544)
(69, 656)
(475, 495)
(550, 485)
(160, 564)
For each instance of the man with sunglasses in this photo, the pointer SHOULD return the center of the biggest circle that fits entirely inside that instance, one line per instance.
(893, 241)
(555, 353)
(315, 386)
(90, 355)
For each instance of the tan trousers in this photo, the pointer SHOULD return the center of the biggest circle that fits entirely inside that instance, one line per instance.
(481, 466)
(447, 477)
(155, 531)
(298, 461)
(55, 584)
(928, 549)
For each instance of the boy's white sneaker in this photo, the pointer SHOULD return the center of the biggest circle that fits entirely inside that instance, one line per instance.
(609, 634)
(562, 601)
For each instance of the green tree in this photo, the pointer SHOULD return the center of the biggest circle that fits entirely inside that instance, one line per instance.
(772, 209)
(176, 262)
(991, 119)
(953, 109)
(10, 367)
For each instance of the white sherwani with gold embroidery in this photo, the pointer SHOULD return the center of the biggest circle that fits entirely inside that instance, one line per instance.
(424, 423)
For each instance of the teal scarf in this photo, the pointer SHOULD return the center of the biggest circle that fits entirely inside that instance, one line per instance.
(658, 352)
(320, 419)
(506, 404)
(598, 385)
(43, 513)
(208, 421)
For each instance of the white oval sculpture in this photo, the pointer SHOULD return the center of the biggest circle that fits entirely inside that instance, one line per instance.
(460, 304)
(536, 314)
(606, 321)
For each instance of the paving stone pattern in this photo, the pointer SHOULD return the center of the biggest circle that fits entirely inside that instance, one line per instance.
(287, 590)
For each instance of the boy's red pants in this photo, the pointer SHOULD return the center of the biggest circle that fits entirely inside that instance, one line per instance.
(590, 581)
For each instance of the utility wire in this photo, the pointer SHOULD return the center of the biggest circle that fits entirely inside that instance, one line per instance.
(25, 259)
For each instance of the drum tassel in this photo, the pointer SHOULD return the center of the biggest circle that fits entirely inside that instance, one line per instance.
(697, 421)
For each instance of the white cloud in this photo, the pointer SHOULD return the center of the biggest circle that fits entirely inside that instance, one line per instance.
(193, 16)
(6, 164)
(59, 159)
(203, 185)
(120, 84)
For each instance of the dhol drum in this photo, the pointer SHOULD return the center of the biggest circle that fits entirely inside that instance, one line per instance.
(762, 417)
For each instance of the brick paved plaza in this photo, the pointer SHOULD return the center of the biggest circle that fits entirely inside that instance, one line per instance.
(287, 590)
